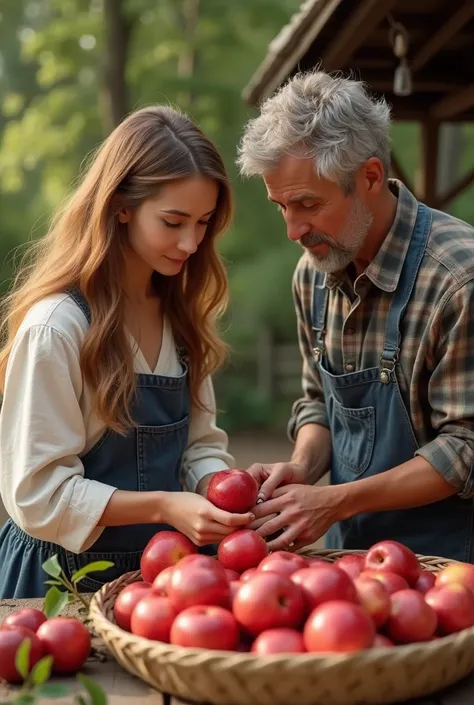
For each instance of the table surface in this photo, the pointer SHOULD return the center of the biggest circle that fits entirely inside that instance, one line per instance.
(123, 689)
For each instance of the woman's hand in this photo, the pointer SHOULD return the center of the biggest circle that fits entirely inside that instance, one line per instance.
(199, 520)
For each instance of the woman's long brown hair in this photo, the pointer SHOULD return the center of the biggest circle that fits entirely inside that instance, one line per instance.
(84, 249)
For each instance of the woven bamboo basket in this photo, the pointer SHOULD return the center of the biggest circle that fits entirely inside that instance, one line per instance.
(382, 675)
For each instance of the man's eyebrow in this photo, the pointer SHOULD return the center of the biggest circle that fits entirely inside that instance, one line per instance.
(300, 198)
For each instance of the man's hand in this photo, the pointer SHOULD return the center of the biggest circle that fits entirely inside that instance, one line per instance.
(304, 512)
(269, 477)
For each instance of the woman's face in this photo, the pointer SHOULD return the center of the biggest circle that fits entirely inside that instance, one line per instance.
(167, 229)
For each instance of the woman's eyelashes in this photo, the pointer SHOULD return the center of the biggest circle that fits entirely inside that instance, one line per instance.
(204, 223)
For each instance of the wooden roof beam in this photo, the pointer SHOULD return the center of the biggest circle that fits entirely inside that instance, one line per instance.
(446, 32)
(357, 28)
(454, 104)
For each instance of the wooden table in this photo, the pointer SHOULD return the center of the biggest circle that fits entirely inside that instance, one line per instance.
(123, 689)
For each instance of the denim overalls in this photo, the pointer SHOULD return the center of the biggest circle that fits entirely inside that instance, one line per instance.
(148, 458)
(371, 432)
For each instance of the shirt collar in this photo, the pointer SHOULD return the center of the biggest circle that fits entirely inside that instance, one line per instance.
(385, 269)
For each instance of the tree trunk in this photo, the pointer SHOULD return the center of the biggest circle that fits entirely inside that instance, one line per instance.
(114, 96)
(188, 58)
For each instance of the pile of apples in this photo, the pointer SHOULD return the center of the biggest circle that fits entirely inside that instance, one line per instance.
(66, 639)
(253, 601)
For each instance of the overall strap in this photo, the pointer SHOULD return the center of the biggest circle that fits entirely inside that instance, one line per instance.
(318, 313)
(80, 300)
(411, 266)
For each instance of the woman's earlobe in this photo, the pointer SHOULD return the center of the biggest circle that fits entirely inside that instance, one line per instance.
(123, 216)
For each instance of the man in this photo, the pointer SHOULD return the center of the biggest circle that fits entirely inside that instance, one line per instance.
(384, 297)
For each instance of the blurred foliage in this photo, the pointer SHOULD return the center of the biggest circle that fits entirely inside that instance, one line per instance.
(55, 107)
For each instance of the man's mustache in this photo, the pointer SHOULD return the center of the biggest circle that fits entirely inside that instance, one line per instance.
(313, 239)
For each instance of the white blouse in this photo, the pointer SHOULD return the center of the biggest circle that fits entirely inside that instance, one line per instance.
(47, 425)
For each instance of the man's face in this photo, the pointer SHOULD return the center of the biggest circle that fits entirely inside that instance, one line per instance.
(329, 224)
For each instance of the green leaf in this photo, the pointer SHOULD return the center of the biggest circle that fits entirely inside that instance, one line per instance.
(79, 700)
(54, 602)
(98, 696)
(22, 658)
(52, 582)
(52, 567)
(52, 690)
(94, 567)
(42, 670)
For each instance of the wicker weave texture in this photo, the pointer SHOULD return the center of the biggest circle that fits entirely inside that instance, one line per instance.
(225, 678)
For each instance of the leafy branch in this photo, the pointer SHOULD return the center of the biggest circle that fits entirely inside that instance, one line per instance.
(55, 599)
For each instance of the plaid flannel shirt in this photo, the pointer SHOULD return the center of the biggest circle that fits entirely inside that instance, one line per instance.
(436, 363)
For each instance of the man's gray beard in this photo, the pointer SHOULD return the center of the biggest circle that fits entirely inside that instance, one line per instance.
(351, 241)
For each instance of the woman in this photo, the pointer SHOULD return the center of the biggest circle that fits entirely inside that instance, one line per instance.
(108, 405)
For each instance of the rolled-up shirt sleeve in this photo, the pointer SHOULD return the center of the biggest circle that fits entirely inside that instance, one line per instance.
(451, 391)
(207, 449)
(310, 408)
(42, 435)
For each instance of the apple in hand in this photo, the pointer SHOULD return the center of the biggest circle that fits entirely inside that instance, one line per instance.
(457, 573)
(233, 491)
(338, 626)
(152, 618)
(278, 641)
(164, 549)
(283, 563)
(393, 557)
(241, 550)
(324, 583)
(267, 601)
(391, 581)
(205, 627)
(454, 606)
(374, 598)
(411, 618)
(352, 564)
(425, 582)
(198, 580)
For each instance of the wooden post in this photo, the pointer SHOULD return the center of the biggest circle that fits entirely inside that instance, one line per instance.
(265, 361)
(428, 167)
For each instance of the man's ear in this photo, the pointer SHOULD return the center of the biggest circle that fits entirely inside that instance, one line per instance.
(373, 174)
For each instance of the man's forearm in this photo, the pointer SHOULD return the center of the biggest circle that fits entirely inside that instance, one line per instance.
(313, 450)
(412, 484)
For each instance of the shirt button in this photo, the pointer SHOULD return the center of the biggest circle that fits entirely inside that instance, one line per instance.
(349, 367)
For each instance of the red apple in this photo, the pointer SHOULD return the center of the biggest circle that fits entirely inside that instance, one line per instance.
(374, 598)
(247, 574)
(268, 601)
(278, 641)
(425, 582)
(241, 550)
(393, 557)
(312, 561)
(233, 490)
(205, 627)
(11, 637)
(198, 580)
(162, 581)
(411, 618)
(231, 575)
(164, 549)
(68, 641)
(391, 581)
(324, 583)
(26, 617)
(338, 626)
(454, 606)
(283, 563)
(457, 573)
(352, 564)
(152, 618)
(382, 641)
(126, 601)
(234, 586)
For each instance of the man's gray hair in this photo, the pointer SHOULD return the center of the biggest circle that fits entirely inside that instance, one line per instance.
(332, 120)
